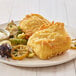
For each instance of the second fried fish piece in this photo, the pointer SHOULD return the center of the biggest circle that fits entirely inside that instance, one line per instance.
(31, 23)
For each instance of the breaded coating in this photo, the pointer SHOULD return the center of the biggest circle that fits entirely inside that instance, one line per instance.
(50, 42)
(31, 23)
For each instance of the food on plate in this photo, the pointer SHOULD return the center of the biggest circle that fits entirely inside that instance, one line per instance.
(35, 36)
(18, 32)
(19, 52)
(5, 42)
(12, 28)
(73, 44)
(31, 54)
(4, 34)
(50, 42)
(21, 36)
(16, 41)
(5, 50)
(31, 23)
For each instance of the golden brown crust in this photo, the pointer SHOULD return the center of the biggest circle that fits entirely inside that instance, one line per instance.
(50, 42)
(31, 23)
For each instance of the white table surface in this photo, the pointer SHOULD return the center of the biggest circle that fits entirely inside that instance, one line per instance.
(57, 10)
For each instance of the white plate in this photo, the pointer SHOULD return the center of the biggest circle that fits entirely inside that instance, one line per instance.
(35, 62)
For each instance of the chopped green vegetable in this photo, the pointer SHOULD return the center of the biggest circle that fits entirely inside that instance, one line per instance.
(15, 41)
(19, 30)
(11, 26)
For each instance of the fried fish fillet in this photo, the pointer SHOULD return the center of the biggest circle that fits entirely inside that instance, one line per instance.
(50, 42)
(31, 23)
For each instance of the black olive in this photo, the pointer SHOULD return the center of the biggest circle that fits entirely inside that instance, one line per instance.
(5, 50)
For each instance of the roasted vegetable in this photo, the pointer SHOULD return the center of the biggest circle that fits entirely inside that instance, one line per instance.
(30, 55)
(12, 28)
(19, 30)
(15, 41)
(73, 44)
(19, 52)
(21, 36)
(5, 50)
